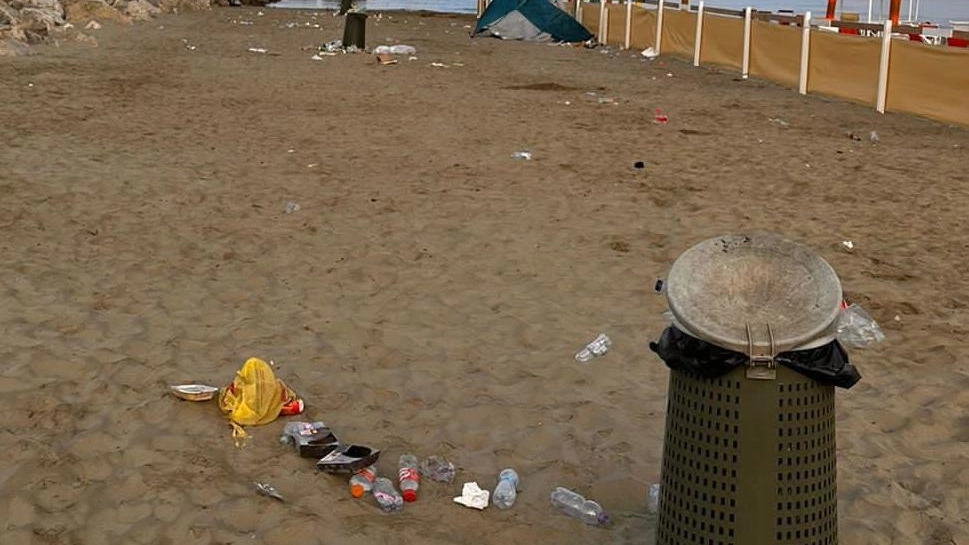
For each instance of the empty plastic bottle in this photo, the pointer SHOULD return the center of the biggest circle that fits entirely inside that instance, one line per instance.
(507, 489)
(386, 496)
(362, 481)
(408, 477)
(576, 506)
(652, 500)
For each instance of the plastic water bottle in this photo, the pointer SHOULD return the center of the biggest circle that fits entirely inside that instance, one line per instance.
(386, 496)
(576, 506)
(408, 477)
(362, 481)
(507, 489)
(652, 500)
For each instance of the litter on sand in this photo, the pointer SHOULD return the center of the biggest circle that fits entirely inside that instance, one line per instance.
(473, 496)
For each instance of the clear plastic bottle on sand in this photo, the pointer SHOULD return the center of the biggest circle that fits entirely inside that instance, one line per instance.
(576, 506)
(507, 490)
(386, 496)
(408, 477)
(362, 481)
(652, 500)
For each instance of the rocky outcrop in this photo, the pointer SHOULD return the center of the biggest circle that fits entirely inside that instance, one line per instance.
(31, 21)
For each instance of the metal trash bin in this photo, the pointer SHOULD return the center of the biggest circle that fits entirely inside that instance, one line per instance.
(355, 30)
(749, 456)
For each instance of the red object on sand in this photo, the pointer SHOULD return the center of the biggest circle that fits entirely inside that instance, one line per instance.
(294, 407)
(661, 118)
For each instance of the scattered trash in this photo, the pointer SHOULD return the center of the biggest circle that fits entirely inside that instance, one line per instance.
(639, 165)
(316, 57)
(269, 490)
(848, 244)
(191, 47)
(194, 392)
(576, 506)
(334, 46)
(661, 118)
(351, 49)
(398, 49)
(649, 53)
(608, 100)
(524, 155)
(260, 14)
(594, 349)
(437, 468)
(412, 58)
(310, 439)
(362, 481)
(473, 496)
(348, 459)
(659, 286)
(386, 496)
(291, 207)
(408, 477)
(652, 498)
(439, 65)
(873, 137)
(92, 25)
(258, 50)
(386, 59)
(669, 74)
(778, 121)
(507, 489)
(856, 329)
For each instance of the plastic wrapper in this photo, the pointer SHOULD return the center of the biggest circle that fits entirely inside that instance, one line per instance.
(856, 329)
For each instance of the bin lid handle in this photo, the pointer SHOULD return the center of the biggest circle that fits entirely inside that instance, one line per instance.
(760, 362)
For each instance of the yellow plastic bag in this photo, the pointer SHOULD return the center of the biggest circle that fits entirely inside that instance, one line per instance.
(254, 397)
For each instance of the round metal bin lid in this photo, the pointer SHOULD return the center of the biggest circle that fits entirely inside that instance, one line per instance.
(761, 281)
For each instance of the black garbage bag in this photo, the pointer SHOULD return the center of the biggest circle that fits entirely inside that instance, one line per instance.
(827, 364)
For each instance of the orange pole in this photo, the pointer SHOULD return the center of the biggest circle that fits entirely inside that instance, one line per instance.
(831, 5)
(894, 8)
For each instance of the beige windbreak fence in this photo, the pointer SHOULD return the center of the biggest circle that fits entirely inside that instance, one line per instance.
(931, 81)
(844, 66)
(775, 53)
(723, 41)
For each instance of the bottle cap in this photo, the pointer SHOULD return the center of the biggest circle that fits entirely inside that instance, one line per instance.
(356, 491)
(410, 495)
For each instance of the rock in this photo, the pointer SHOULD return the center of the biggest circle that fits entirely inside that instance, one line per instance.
(86, 10)
(141, 10)
(13, 48)
(175, 6)
(8, 16)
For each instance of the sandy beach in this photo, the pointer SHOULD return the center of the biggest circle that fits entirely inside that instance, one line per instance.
(429, 294)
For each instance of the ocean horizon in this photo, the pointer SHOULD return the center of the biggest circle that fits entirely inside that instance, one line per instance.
(934, 11)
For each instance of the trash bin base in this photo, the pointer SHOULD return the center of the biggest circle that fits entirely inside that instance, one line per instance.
(748, 462)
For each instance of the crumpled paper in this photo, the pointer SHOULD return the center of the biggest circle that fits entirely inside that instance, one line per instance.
(473, 496)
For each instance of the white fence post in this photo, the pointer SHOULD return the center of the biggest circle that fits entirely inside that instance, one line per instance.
(629, 24)
(745, 64)
(659, 27)
(699, 35)
(805, 54)
(602, 22)
(883, 67)
(578, 10)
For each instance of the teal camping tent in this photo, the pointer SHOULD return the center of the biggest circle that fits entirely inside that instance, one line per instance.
(530, 20)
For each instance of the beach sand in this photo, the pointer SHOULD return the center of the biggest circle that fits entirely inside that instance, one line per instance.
(430, 293)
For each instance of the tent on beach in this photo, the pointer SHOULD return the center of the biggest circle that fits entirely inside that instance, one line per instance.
(533, 20)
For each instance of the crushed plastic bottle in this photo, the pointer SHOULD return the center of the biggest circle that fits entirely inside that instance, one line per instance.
(362, 481)
(386, 495)
(408, 477)
(856, 329)
(594, 349)
(576, 506)
(652, 498)
(291, 206)
(524, 155)
(507, 489)
(437, 468)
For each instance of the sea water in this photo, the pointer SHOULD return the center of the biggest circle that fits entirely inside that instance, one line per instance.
(935, 11)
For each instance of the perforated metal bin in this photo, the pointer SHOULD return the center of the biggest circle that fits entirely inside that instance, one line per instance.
(749, 457)
(748, 462)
